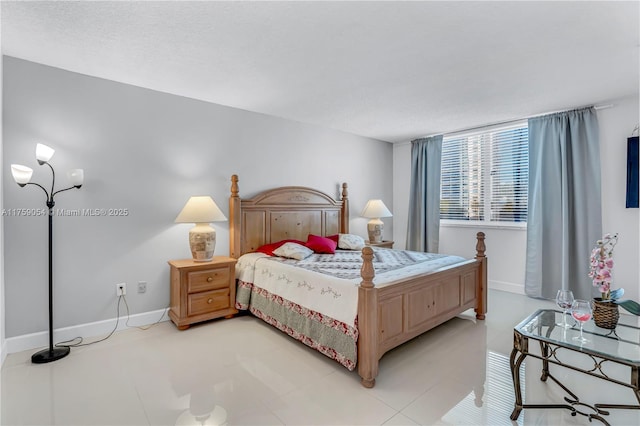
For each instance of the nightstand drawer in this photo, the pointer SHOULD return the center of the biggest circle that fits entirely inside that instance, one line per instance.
(207, 280)
(207, 301)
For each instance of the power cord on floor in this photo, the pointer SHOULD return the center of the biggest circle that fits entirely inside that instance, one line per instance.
(141, 327)
(79, 340)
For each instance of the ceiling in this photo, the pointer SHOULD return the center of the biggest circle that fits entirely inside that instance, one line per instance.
(386, 70)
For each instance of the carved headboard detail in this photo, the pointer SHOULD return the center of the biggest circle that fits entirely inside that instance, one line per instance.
(289, 212)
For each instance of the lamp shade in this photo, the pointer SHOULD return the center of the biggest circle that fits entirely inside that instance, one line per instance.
(76, 176)
(200, 209)
(21, 174)
(375, 209)
(44, 153)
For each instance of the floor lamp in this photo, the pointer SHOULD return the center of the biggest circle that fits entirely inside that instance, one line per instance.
(22, 176)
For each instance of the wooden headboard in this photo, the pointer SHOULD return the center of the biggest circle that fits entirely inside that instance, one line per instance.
(289, 212)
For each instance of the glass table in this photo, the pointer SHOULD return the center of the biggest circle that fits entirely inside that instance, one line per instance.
(594, 357)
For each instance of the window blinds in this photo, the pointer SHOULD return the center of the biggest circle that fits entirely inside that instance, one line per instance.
(485, 175)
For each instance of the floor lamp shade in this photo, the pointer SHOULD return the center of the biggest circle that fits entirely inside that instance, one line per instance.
(76, 176)
(374, 210)
(21, 174)
(44, 153)
(201, 210)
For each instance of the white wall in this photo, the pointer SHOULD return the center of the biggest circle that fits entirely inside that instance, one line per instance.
(401, 187)
(616, 125)
(506, 249)
(148, 152)
(3, 352)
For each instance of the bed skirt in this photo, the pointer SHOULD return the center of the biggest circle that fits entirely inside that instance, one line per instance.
(330, 337)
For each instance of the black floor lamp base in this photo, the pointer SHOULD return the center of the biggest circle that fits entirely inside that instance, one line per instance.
(49, 355)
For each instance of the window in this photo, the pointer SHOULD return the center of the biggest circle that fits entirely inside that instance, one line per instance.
(485, 175)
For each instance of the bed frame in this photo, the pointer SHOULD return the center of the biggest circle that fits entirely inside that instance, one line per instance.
(387, 316)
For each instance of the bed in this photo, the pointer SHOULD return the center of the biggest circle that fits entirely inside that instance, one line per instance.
(387, 311)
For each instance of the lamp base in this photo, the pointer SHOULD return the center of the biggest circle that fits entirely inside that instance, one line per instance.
(202, 241)
(49, 355)
(374, 229)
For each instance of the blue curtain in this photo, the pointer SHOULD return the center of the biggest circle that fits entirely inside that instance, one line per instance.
(423, 230)
(564, 218)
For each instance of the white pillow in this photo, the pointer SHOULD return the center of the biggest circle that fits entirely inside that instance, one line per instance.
(293, 251)
(350, 242)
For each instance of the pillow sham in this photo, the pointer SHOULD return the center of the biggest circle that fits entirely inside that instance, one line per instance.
(351, 242)
(321, 244)
(269, 248)
(293, 251)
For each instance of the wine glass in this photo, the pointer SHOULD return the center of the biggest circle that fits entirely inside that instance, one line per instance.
(564, 299)
(581, 311)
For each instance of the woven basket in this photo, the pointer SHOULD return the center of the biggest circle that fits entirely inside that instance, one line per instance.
(605, 314)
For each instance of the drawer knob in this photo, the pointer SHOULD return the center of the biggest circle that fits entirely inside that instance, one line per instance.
(209, 279)
(210, 300)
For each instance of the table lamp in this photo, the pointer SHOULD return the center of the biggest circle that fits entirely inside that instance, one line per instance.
(374, 210)
(201, 210)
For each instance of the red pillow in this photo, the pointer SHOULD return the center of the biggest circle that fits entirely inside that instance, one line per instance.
(269, 248)
(321, 244)
(335, 238)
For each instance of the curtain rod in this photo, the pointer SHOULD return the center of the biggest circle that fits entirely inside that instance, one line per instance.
(500, 123)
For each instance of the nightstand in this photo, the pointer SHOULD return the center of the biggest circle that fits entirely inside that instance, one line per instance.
(384, 244)
(202, 291)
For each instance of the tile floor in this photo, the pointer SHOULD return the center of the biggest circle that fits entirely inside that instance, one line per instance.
(250, 373)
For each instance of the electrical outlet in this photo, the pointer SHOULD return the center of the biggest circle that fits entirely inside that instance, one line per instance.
(142, 286)
(121, 289)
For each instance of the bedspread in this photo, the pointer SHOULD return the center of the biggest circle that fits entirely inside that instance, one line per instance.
(347, 263)
(316, 300)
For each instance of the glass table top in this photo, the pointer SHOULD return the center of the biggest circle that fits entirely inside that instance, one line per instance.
(623, 343)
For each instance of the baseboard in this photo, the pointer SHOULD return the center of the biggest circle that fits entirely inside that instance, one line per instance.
(86, 331)
(505, 286)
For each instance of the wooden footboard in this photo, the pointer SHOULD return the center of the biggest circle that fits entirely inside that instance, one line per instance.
(391, 315)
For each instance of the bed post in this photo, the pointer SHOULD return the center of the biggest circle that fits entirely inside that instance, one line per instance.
(235, 233)
(344, 212)
(367, 322)
(481, 293)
